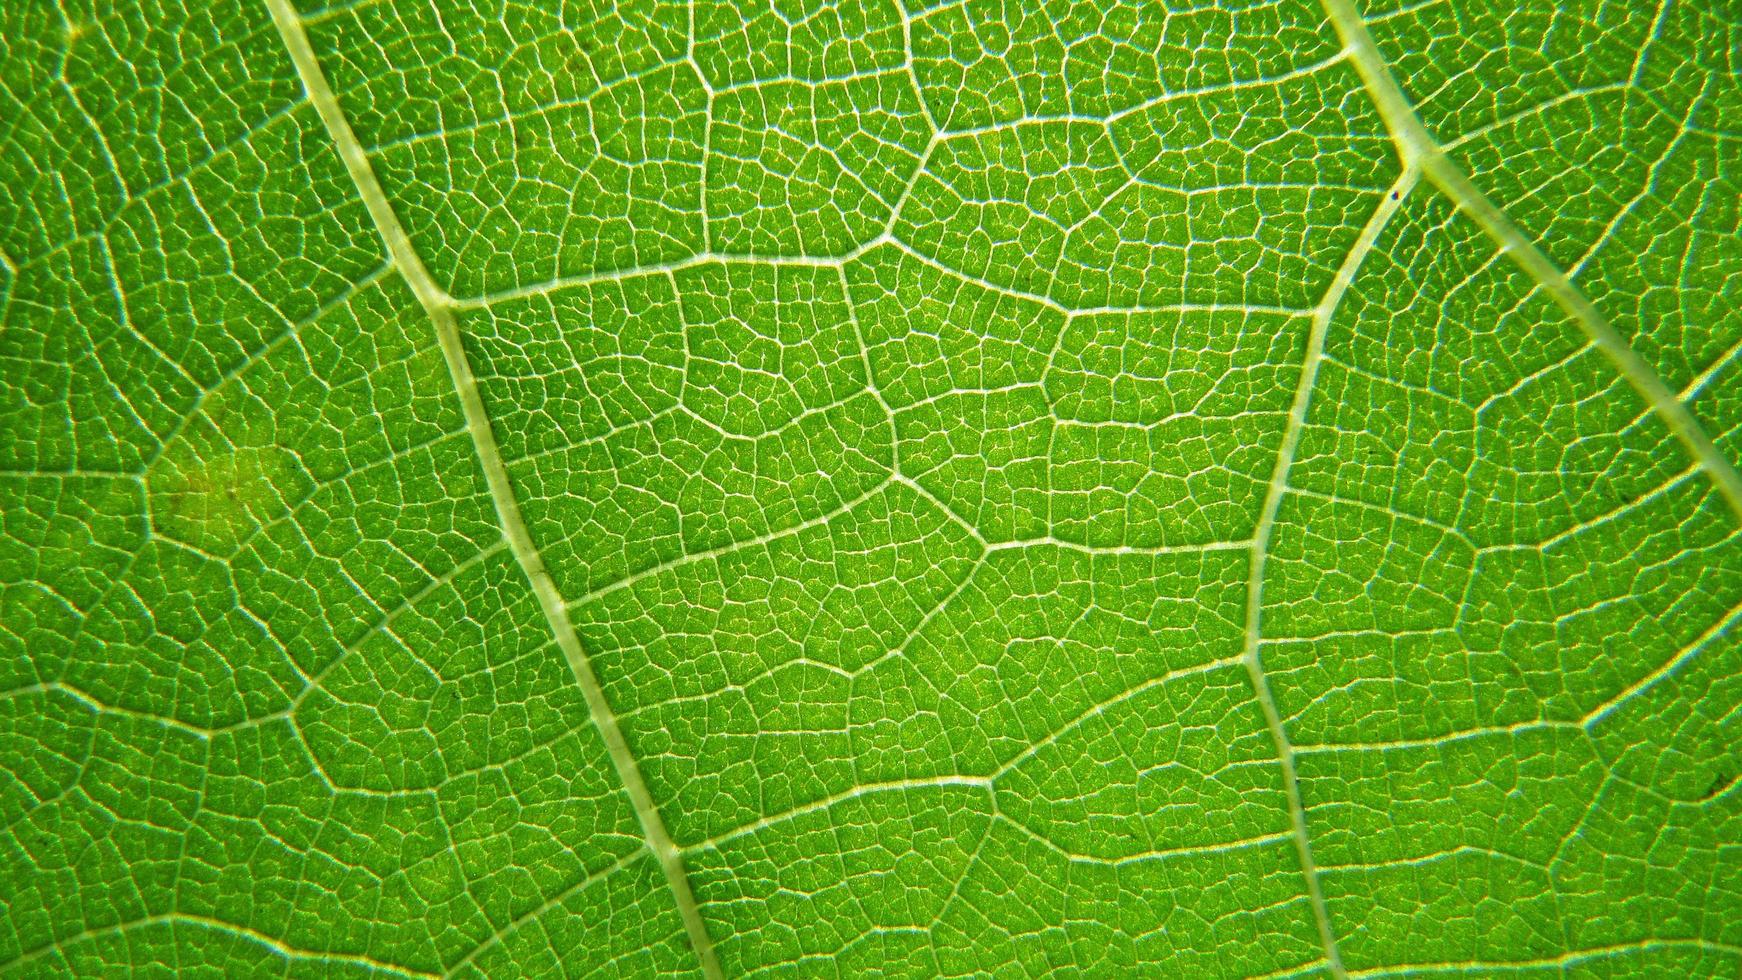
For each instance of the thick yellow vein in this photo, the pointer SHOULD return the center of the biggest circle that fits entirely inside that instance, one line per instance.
(440, 308)
(1418, 148)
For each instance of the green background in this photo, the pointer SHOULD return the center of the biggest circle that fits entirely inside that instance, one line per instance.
(949, 436)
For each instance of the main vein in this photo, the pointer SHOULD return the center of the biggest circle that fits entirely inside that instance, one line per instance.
(1327, 307)
(439, 306)
(1419, 149)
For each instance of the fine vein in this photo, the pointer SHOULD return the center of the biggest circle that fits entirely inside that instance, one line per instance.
(1418, 148)
(439, 307)
(1388, 205)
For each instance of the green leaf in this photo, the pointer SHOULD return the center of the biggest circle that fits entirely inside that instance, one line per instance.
(1238, 489)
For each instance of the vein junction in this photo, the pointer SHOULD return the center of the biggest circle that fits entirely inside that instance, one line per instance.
(438, 306)
(1418, 149)
(1420, 157)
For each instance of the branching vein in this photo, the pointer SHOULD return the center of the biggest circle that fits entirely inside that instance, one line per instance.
(439, 307)
(1297, 413)
(1418, 148)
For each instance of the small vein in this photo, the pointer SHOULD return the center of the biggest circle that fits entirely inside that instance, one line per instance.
(745, 544)
(510, 927)
(277, 946)
(1142, 857)
(1564, 960)
(815, 806)
(1097, 710)
(1438, 741)
(1717, 631)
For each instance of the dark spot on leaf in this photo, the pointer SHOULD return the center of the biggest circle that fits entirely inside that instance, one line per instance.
(1720, 782)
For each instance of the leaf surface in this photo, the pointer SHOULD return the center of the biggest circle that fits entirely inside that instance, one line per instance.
(837, 489)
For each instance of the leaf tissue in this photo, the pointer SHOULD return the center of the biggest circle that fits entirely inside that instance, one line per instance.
(871, 488)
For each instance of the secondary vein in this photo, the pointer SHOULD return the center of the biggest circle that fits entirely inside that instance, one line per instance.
(440, 308)
(1418, 148)
(1388, 206)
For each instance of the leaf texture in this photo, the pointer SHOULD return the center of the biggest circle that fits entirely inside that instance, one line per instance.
(1227, 489)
